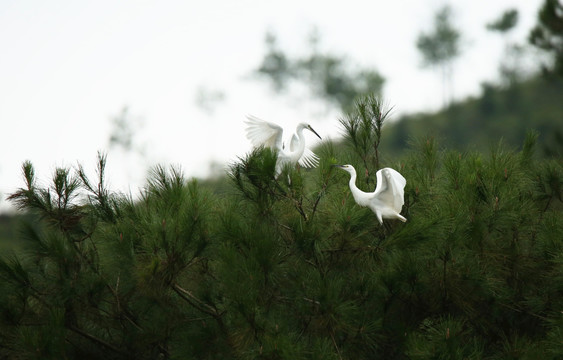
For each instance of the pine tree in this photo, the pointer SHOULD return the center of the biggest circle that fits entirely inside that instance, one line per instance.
(291, 267)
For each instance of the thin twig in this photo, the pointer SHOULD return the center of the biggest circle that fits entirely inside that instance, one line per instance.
(98, 341)
(195, 302)
(336, 346)
(312, 301)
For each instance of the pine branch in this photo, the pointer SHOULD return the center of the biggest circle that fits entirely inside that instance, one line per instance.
(195, 302)
(99, 341)
(321, 192)
(335, 345)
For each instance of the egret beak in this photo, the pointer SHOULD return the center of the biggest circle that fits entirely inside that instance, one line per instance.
(335, 165)
(314, 132)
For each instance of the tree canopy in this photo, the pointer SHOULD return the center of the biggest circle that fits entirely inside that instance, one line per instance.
(294, 269)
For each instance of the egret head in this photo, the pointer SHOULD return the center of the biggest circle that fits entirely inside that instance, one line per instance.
(348, 168)
(308, 127)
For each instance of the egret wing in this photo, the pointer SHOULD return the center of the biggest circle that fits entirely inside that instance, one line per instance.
(261, 132)
(309, 159)
(390, 188)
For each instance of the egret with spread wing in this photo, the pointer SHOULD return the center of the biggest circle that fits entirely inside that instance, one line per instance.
(265, 133)
(388, 198)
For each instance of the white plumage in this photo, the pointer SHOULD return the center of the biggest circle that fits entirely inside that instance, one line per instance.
(269, 134)
(388, 198)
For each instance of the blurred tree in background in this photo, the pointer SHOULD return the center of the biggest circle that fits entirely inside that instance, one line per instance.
(505, 23)
(511, 70)
(499, 113)
(124, 132)
(294, 269)
(440, 47)
(548, 34)
(327, 76)
(522, 101)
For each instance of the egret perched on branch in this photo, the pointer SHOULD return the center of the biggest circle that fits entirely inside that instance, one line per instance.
(265, 133)
(387, 199)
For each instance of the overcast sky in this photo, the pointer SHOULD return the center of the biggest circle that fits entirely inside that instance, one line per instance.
(68, 67)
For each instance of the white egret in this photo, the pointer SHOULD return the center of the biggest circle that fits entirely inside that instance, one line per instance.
(388, 198)
(269, 134)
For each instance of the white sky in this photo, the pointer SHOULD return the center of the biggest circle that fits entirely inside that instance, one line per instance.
(68, 67)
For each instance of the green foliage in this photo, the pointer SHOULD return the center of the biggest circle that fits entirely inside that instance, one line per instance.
(362, 130)
(8, 231)
(292, 268)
